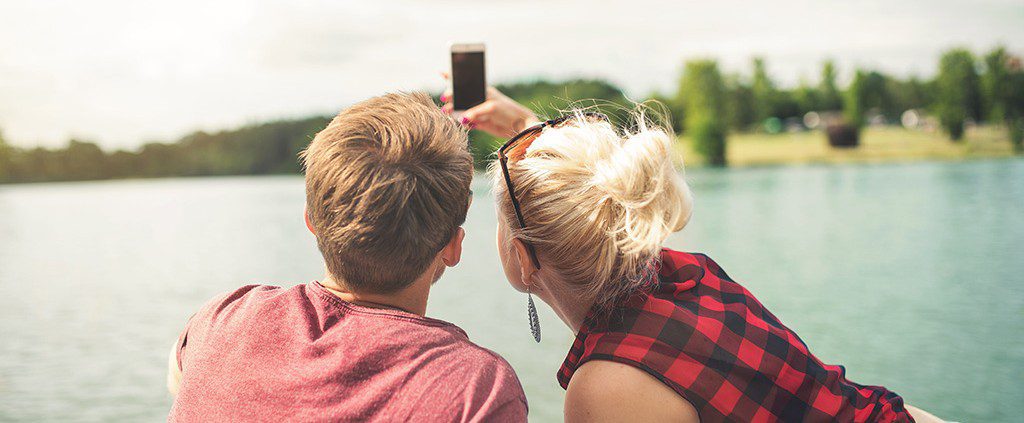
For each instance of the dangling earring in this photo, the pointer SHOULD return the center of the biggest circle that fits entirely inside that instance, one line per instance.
(532, 311)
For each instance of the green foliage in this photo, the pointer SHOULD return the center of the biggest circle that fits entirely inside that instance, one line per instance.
(740, 104)
(549, 100)
(995, 83)
(958, 91)
(1016, 128)
(855, 100)
(764, 92)
(829, 97)
(903, 95)
(676, 110)
(807, 98)
(1013, 101)
(876, 97)
(6, 156)
(769, 101)
(1003, 88)
(252, 150)
(703, 90)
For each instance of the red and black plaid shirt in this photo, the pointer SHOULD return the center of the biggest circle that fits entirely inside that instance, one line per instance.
(712, 342)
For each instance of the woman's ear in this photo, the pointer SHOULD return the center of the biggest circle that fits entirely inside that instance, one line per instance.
(309, 225)
(526, 267)
(451, 254)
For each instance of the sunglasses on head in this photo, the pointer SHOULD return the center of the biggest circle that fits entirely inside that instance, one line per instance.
(516, 147)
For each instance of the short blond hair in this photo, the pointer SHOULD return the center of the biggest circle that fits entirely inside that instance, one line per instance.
(387, 186)
(598, 202)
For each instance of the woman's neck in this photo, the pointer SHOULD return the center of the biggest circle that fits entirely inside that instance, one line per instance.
(567, 303)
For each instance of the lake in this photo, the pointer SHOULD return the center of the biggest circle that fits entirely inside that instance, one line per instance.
(910, 275)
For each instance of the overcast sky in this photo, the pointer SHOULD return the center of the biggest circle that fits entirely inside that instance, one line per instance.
(125, 72)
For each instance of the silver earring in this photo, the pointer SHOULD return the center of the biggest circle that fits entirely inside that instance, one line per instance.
(534, 320)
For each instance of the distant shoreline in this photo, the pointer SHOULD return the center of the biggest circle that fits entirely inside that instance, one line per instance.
(879, 144)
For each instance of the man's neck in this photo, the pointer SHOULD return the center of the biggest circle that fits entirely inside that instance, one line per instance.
(411, 299)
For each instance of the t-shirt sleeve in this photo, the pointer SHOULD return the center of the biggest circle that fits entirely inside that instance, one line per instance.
(513, 410)
(503, 399)
(202, 321)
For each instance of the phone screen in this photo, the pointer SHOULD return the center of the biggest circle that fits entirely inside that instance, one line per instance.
(468, 83)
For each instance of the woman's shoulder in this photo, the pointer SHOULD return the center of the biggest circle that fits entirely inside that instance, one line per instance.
(611, 391)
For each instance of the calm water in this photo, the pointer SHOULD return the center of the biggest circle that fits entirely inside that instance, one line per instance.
(910, 275)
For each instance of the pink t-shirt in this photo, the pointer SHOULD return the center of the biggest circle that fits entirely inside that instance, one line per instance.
(264, 353)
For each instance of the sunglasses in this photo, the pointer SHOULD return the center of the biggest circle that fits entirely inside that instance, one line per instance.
(516, 147)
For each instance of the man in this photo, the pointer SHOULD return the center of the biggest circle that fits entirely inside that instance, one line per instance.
(387, 189)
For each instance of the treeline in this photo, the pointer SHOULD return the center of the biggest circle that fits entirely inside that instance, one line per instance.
(965, 90)
(267, 148)
(707, 105)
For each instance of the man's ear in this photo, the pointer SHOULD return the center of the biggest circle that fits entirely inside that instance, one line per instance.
(451, 254)
(526, 267)
(309, 225)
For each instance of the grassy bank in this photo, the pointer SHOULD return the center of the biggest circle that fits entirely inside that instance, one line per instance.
(878, 144)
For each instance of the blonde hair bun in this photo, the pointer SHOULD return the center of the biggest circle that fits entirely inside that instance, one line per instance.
(598, 202)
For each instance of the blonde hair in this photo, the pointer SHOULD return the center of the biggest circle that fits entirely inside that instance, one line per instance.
(598, 202)
(387, 186)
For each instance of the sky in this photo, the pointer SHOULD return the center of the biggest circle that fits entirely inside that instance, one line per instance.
(122, 73)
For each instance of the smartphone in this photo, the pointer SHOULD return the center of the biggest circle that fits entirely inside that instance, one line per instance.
(469, 82)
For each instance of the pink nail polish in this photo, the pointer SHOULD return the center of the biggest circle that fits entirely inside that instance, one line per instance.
(465, 120)
(444, 98)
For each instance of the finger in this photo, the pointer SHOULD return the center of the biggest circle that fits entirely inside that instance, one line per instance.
(471, 123)
(446, 96)
(481, 112)
(493, 92)
(447, 108)
(468, 120)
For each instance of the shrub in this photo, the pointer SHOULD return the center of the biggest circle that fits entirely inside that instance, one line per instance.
(958, 92)
(702, 90)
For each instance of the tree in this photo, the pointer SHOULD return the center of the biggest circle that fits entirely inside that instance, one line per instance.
(847, 134)
(905, 95)
(764, 92)
(702, 89)
(995, 84)
(741, 111)
(829, 97)
(807, 98)
(83, 160)
(674, 108)
(855, 100)
(958, 91)
(1013, 101)
(876, 95)
(6, 159)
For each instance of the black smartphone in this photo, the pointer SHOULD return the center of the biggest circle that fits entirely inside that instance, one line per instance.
(469, 83)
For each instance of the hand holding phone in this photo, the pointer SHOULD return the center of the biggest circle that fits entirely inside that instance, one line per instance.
(476, 105)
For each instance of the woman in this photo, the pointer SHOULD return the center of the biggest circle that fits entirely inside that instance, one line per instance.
(661, 335)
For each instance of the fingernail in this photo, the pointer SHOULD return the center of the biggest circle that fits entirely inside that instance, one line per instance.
(444, 98)
(465, 120)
